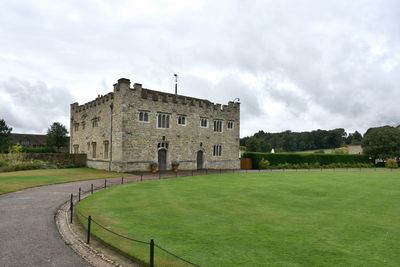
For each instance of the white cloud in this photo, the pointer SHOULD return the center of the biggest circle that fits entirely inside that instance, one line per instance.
(296, 65)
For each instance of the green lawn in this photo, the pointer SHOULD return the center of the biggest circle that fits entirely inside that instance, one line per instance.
(258, 219)
(14, 181)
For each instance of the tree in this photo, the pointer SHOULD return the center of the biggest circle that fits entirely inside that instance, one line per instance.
(354, 138)
(382, 142)
(5, 133)
(57, 135)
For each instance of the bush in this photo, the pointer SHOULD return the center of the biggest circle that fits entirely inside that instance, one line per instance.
(290, 160)
(15, 149)
(392, 164)
(39, 150)
(263, 164)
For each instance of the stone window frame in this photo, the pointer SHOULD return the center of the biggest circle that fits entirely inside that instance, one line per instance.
(163, 145)
(88, 148)
(181, 120)
(203, 119)
(142, 115)
(230, 124)
(75, 149)
(163, 120)
(83, 125)
(217, 150)
(106, 148)
(218, 125)
(76, 126)
(95, 122)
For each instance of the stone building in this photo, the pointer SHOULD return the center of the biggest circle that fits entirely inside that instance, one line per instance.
(129, 128)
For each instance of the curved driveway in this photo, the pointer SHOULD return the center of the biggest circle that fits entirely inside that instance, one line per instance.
(28, 233)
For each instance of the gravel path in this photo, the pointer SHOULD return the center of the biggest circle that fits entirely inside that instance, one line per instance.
(28, 233)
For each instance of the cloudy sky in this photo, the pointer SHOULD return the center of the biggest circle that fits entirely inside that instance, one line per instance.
(295, 64)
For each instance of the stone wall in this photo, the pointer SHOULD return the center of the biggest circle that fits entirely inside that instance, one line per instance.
(60, 159)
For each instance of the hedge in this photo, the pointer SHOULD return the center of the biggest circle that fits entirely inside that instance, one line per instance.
(310, 159)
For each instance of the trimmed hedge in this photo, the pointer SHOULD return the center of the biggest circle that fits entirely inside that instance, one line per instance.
(276, 160)
(44, 149)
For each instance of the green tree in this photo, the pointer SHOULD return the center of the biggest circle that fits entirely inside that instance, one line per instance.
(57, 136)
(354, 138)
(382, 142)
(5, 133)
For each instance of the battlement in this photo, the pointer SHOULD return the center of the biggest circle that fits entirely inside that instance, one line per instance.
(100, 99)
(152, 95)
(186, 100)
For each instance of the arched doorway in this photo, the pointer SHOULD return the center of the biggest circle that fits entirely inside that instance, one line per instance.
(200, 159)
(162, 159)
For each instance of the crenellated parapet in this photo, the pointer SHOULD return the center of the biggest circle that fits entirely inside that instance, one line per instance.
(100, 100)
(157, 96)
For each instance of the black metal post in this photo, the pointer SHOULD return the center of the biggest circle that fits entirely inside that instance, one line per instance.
(141, 177)
(152, 253)
(105, 183)
(159, 174)
(122, 180)
(192, 172)
(176, 174)
(72, 206)
(79, 194)
(206, 170)
(89, 223)
(220, 171)
(91, 188)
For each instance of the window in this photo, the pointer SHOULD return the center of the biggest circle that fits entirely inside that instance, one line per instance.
(76, 126)
(144, 116)
(83, 125)
(203, 122)
(230, 124)
(88, 147)
(163, 145)
(182, 120)
(217, 150)
(94, 150)
(163, 120)
(95, 122)
(106, 149)
(217, 125)
(76, 149)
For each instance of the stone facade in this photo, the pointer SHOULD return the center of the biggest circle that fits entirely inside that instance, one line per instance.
(129, 128)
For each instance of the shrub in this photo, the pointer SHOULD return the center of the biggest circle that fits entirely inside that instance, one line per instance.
(39, 149)
(286, 160)
(392, 164)
(15, 149)
(153, 166)
(175, 163)
(263, 164)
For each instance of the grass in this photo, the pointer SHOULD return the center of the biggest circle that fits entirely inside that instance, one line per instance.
(258, 219)
(14, 181)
